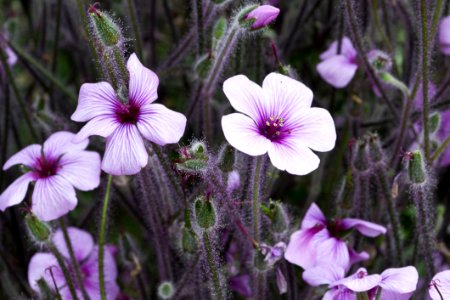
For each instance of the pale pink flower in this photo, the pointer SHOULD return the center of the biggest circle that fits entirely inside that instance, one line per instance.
(439, 288)
(44, 265)
(338, 69)
(318, 241)
(125, 124)
(277, 119)
(57, 168)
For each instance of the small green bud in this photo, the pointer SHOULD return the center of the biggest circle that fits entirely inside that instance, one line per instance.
(192, 166)
(203, 65)
(416, 169)
(166, 290)
(379, 60)
(39, 230)
(106, 29)
(226, 158)
(435, 121)
(194, 159)
(219, 30)
(277, 214)
(189, 240)
(205, 213)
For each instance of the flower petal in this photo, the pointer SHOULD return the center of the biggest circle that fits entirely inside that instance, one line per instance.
(293, 156)
(347, 49)
(43, 265)
(82, 243)
(333, 251)
(323, 274)
(399, 280)
(246, 97)
(243, 134)
(315, 128)
(62, 142)
(313, 217)
(125, 152)
(337, 71)
(366, 228)
(53, 197)
(86, 163)
(286, 96)
(143, 87)
(102, 126)
(95, 99)
(27, 156)
(161, 125)
(356, 257)
(444, 33)
(359, 281)
(442, 281)
(16, 191)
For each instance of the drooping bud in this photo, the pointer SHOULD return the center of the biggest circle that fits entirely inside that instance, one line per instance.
(39, 230)
(277, 214)
(166, 290)
(226, 158)
(107, 31)
(416, 170)
(260, 17)
(205, 213)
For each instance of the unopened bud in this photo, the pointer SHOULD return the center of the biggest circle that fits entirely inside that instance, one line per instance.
(434, 121)
(379, 60)
(360, 160)
(205, 213)
(105, 28)
(194, 159)
(277, 214)
(260, 17)
(375, 150)
(203, 65)
(39, 230)
(226, 158)
(219, 30)
(416, 169)
(166, 290)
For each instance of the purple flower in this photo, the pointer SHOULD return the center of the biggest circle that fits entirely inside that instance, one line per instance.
(319, 241)
(57, 167)
(12, 57)
(45, 265)
(338, 69)
(397, 283)
(123, 124)
(278, 119)
(273, 254)
(263, 15)
(241, 285)
(234, 181)
(444, 35)
(439, 287)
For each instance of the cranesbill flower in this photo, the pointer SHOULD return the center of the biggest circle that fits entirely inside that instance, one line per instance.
(125, 124)
(44, 265)
(277, 119)
(439, 288)
(320, 241)
(338, 69)
(263, 16)
(444, 35)
(57, 168)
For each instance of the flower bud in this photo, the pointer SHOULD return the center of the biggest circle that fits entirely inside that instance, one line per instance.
(261, 16)
(219, 30)
(39, 230)
(189, 240)
(379, 60)
(203, 65)
(360, 159)
(226, 158)
(193, 159)
(375, 150)
(166, 290)
(205, 213)
(435, 122)
(107, 31)
(416, 169)
(277, 214)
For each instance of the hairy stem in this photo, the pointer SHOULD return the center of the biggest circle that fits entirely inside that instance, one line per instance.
(63, 267)
(212, 267)
(134, 24)
(426, 127)
(101, 270)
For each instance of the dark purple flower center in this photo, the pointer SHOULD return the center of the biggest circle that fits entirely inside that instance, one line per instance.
(273, 128)
(46, 166)
(128, 113)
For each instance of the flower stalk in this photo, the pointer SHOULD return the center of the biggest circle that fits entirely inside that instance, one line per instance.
(64, 269)
(101, 270)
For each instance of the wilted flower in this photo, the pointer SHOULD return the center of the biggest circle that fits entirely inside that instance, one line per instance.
(263, 15)
(319, 241)
(57, 167)
(45, 265)
(439, 287)
(277, 119)
(444, 35)
(123, 124)
(338, 69)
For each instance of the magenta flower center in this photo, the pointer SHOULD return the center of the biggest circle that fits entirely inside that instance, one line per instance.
(46, 166)
(128, 113)
(273, 128)
(361, 274)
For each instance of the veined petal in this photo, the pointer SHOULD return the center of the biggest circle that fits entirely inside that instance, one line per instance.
(125, 152)
(243, 134)
(293, 156)
(360, 281)
(81, 169)
(103, 126)
(314, 128)
(53, 197)
(366, 228)
(82, 243)
(27, 156)
(333, 251)
(389, 295)
(399, 280)
(43, 265)
(62, 142)
(16, 191)
(286, 97)
(246, 97)
(337, 71)
(161, 125)
(347, 49)
(143, 87)
(313, 217)
(440, 281)
(323, 274)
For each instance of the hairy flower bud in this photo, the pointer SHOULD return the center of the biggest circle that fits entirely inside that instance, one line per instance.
(277, 214)
(39, 230)
(435, 122)
(226, 158)
(205, 213)
(375, 150)
(166, 290)
(203, 65)
(416, 170)
(360, 159)
(379, 60)
(260, 16)
(193, 159)
(107, 31)
(219, 30)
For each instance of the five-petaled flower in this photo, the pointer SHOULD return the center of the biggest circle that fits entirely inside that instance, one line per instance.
(123, 124)
(277, 119)
(57, 167)
(45, 266)
(319, 241)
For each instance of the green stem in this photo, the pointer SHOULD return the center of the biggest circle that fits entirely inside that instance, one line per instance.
(436, 17)
(256, 202)
(378, 25)
(379, 291)
(73, 259)
(134, 24)
(426, 128)
(101, 270)
(22, 104)
(63, 267)
(212, 267)
(168, 170)
(200, 32)
(109, 67)
(440, 149)
(120, 61)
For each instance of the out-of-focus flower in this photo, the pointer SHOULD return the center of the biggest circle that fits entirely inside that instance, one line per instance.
(123, 124)
(439, 287)
(277, 119)
(12, 57)
(234, 181)
(57, 167)
(262, 15)
(444, 35)
(281, 281)
(338, 69)
(241, 285)
(45, 265)
(319, 241)
(274, 253)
